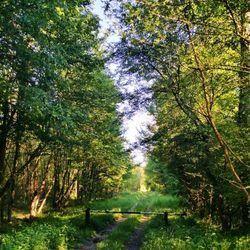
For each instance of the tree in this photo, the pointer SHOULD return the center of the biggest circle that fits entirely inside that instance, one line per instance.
(193, 52)
(57, 105)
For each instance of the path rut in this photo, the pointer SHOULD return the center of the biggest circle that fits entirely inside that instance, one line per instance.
(137, 238)
(90, 244)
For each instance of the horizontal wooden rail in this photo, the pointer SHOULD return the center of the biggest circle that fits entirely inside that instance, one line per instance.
(124, 212)
(88, 211)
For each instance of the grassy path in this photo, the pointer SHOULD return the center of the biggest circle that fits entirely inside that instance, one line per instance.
(116, 235)
(129, 233)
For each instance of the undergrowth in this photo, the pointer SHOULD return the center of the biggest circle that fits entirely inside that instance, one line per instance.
(51, 232)
(67, 230)
(187, 234)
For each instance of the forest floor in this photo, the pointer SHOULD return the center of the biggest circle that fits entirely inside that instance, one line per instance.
(67, 230)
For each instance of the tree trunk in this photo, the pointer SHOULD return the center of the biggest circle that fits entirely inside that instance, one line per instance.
(34, 204)
(224, 215)
(244, 96)
(39, 210)
(34, 207)
(11, 199)
(3, 140)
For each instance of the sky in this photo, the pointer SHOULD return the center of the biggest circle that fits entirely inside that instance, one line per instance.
(138, 123)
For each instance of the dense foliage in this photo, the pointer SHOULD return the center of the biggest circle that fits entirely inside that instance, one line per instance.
(59, 130)
(197, 54)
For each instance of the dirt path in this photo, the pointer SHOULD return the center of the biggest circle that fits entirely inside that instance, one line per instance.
(136, 240)
(90, 244)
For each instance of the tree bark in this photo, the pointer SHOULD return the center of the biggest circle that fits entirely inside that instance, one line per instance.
(34, 207)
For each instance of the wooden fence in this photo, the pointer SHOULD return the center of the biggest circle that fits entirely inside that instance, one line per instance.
(165, 214)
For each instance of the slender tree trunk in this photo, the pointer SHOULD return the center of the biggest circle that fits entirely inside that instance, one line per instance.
(34, 207)
(65, 196)
(223, 214)
(244, 96)
(3, 141)
(34, 204)
(11, 199)
(56, 188)
(2, 203)
(43, 202)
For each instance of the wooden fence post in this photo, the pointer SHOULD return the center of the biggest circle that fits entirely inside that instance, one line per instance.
(87, 216)
(166, 218)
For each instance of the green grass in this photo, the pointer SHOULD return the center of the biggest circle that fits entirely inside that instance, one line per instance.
(55, 231)
(67, 230)
(186, 234)
(123, 201)
(138, 201)
(118, 239)
(153, 201)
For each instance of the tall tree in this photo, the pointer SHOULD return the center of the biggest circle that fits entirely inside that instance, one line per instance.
(196, 52)
(57, 105)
